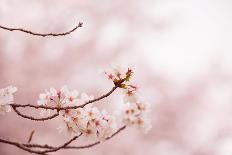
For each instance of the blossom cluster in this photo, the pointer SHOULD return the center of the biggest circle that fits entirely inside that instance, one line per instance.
(6, 98)
(58, 98)
(62, 97)
(87, 119)
(136, 114)
(133, 111)
(119, 75)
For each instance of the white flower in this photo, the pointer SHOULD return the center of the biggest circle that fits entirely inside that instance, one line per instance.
(103, 123)
(70, 98)
(90, 132)
(56, 97)
(53, 92)
(44, 98)
(84, 98)
(130, 93)
(143, 123)
(111, 122)
(68, 128)
(6, 98)
(120, 71)
(12, 89)
(64, 90)
(91, 112)
(6, 95)
(4, 109)
(59, 97)
(130, 96)
(135, 114)
(70, 114)
(117, 73)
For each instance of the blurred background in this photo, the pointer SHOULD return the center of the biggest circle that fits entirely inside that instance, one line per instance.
(180, 49)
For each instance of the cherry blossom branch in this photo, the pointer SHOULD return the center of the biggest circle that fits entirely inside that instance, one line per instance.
(28, 147)
(83, 119)
(15, 106)
(42, 34)
(70, 107)
(19, 145)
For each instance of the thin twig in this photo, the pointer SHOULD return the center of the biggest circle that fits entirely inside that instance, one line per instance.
(19, 145)
(46, 146)
(31, 136)
(33, 118)
(96, 143)
(42, 34)
(62, 146)
(28, 147)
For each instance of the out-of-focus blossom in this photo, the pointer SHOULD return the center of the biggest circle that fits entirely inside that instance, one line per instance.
(136, 114)
(130, 93)
(6, 98)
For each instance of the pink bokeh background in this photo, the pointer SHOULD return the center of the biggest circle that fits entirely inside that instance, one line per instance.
(180, 49)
